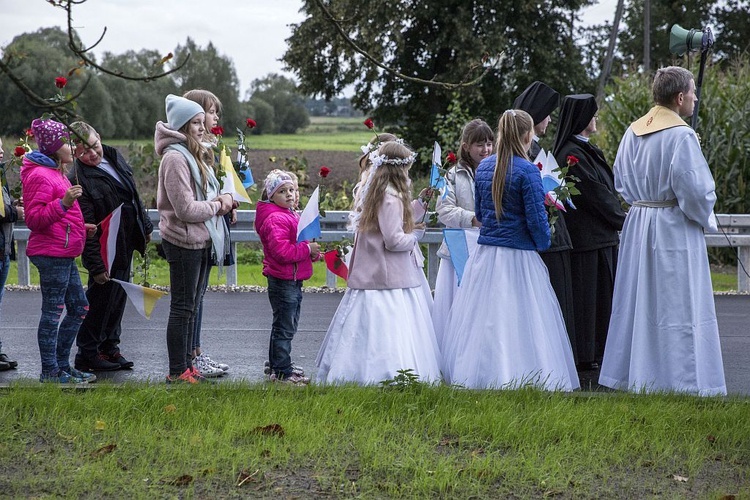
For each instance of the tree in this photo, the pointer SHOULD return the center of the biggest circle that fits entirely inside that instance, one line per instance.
(137, 105)
(448, 41)
(288, 105)
(209, 70)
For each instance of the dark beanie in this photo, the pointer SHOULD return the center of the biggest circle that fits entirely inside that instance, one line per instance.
(538, 100)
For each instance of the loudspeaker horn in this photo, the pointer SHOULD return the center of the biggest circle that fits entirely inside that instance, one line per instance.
(682, 40)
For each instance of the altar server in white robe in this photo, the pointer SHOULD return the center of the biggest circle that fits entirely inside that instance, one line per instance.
(663, 334)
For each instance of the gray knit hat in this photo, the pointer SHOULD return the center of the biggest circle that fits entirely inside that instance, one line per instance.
(180, 111)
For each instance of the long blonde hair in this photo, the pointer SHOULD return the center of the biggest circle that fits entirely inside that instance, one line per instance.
(203, 157)
(393, 161)
(513, 128)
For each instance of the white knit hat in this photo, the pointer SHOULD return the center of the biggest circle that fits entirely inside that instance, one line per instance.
(180, 111)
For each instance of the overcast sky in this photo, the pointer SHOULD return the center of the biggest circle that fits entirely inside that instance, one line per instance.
(250, 32)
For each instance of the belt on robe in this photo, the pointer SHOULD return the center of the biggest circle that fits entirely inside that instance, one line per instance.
(655, 204)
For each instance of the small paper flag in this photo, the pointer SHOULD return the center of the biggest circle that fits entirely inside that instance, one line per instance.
(143, 298)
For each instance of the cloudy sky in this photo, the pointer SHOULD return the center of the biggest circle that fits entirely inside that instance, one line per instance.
(250, 32)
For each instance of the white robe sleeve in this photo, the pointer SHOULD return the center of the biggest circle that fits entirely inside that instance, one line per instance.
(693, 183)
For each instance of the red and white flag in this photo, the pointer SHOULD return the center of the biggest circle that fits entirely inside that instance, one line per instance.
(110, 226)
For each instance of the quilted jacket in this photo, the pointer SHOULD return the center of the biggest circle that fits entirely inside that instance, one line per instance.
(55, 231)
(524, 222)
(283, 257)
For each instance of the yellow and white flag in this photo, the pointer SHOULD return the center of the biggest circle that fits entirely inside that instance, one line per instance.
(143, 298)
(232, 182)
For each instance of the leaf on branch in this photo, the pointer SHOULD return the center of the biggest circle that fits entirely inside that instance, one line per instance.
(166, 58)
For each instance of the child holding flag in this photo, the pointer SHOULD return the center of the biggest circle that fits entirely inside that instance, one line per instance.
(456, 210)
(286, 264)
(524, 341)
(191, 224)
(383, 324)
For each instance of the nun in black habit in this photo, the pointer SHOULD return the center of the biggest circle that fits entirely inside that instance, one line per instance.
(539, 100)
(593, 227)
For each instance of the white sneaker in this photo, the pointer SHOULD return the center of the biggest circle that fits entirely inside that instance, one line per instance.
(221, 366)
(205, 368)
(297, 370)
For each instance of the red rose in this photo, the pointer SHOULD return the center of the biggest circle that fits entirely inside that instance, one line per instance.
(572, 160)
(451, 158)
(61, 82)
(19, 151)
(251, 123)
(324, 171)
(29, 132)
(369, 123)
(540, 166)
(217, 130)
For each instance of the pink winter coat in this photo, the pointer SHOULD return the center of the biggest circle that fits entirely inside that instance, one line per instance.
(283, 257)
(55, 232)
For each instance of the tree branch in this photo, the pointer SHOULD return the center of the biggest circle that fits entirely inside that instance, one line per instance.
(81, 51)
(435, 83)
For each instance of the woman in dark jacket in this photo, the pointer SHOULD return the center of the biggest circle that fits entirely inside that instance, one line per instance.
(593, 227)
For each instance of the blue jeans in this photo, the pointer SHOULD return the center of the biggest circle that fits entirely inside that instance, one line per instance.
(187, 273)
(286, 300)
(5, 265)
(61, 288)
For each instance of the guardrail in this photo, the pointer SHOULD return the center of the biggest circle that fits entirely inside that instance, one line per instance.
(333, 225)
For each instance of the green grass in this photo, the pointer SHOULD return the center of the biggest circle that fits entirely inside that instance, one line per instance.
(257, 440)
(251, 274)
(323, 134)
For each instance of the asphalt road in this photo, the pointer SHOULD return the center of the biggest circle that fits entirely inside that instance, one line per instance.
(236, 328)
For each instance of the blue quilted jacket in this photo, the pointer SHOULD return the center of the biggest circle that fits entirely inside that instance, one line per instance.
(524, 223)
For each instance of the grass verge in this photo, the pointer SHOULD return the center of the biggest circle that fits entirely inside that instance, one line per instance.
(252, 274)
(240, 440)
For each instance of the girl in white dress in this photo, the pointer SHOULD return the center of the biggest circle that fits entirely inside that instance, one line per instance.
(456, 210)
(383, 323)
(505, 329)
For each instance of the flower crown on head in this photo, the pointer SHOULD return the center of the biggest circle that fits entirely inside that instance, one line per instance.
(372, 146)
(378, 159)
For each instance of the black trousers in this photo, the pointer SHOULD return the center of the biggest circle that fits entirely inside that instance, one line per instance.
(100, 331)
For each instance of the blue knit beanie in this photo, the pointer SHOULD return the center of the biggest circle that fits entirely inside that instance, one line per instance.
(180, 111)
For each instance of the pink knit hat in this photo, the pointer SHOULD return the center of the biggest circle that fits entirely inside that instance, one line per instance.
(49, 135)
(275, 180)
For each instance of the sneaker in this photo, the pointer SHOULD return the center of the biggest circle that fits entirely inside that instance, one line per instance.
(205, 368)
(186, 378)
(5, 359)
(60, 378)
(297, 370)
(197, 375)
(98, 363)
(221, 366)
(292, 379)
(119, 359)
(85, 376)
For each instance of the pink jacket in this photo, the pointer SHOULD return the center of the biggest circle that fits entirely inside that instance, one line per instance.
(283, 257)
(384, 259)
(55, 232)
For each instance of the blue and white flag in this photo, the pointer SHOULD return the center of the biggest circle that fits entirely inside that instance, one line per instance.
(437, 181)
(308, 226)
(461, 244)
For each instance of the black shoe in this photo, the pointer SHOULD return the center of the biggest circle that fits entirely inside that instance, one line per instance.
(4, 359)
(98, 363)
(4, 366)
(119, 359)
